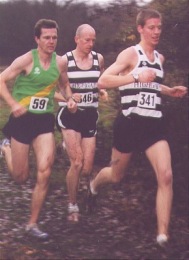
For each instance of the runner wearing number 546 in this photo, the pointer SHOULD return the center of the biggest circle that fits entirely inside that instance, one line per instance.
(138, 73)
(31, 122)
(79, 130)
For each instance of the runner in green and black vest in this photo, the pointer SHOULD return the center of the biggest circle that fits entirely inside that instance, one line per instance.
(37, 74)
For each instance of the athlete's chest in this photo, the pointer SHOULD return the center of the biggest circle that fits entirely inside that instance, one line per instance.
(84, 64)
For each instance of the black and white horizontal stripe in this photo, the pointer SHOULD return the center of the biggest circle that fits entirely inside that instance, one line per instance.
(131, 93)
(84, 82)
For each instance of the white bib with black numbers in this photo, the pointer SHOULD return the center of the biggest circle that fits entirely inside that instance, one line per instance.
(38, 104)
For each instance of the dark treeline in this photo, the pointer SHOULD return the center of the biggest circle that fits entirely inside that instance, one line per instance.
(114, 24)
(17, 19)
(116, 30)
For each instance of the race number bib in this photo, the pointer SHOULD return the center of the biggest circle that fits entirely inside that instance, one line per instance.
(38, 103)
(87, 98)
(147, 100)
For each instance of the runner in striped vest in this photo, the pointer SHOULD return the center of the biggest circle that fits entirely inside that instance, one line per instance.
(79, 129)
(138, 74)
(143, 98)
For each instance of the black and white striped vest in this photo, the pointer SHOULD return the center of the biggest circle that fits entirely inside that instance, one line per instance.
(84, 82)
(143, 99)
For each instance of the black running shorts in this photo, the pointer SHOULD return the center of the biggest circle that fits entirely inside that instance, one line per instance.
(134, 133)
(28, 126)
(82, 121)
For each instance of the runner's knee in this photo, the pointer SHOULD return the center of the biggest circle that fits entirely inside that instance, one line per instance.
(77, 164)
(165, 177)
(43, 177)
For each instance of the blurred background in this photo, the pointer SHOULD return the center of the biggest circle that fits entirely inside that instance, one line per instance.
(126, 208)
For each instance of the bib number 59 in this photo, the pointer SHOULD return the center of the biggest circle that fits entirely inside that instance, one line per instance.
(38, 104)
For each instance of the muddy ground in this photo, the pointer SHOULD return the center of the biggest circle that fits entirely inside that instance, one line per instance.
(122, 227)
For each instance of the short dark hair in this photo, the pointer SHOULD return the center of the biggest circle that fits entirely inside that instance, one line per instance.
(44, 23)
(146, 14)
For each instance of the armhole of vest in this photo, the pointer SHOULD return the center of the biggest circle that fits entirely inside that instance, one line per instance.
(54, 62)
(95, 57)
(67, 55)
(137, 49)
(158, 60)
(156, 54)
(54, 58)
(33, 51)
(71, 58)
(35, 58)
(94, 54)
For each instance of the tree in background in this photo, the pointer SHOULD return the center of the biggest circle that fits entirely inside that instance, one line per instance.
(116, 30)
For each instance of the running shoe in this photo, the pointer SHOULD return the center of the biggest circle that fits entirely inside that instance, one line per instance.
(4, 142)
(91, 200)
(162, 240)
(35, 232)
(73, 213)
(64, 145)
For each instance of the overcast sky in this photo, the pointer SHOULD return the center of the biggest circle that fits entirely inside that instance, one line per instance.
(140, 2)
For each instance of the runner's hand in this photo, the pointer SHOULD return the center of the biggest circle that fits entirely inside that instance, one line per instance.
(18, 110)
(178, 91)
(76, 97)
(71, 105)
(148, 75)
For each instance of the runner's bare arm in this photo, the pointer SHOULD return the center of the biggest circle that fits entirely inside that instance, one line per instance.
(118, 73)
(59, 97)
(102, 92)
(19, 65)
(64, 84)
(177, 91)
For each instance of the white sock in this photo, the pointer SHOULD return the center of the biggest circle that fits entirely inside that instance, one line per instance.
(92, 189)
(29, 226)
(161, 239)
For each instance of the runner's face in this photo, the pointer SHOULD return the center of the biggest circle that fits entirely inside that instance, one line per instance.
(48, 40)
(85, 42)
(151, 31)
